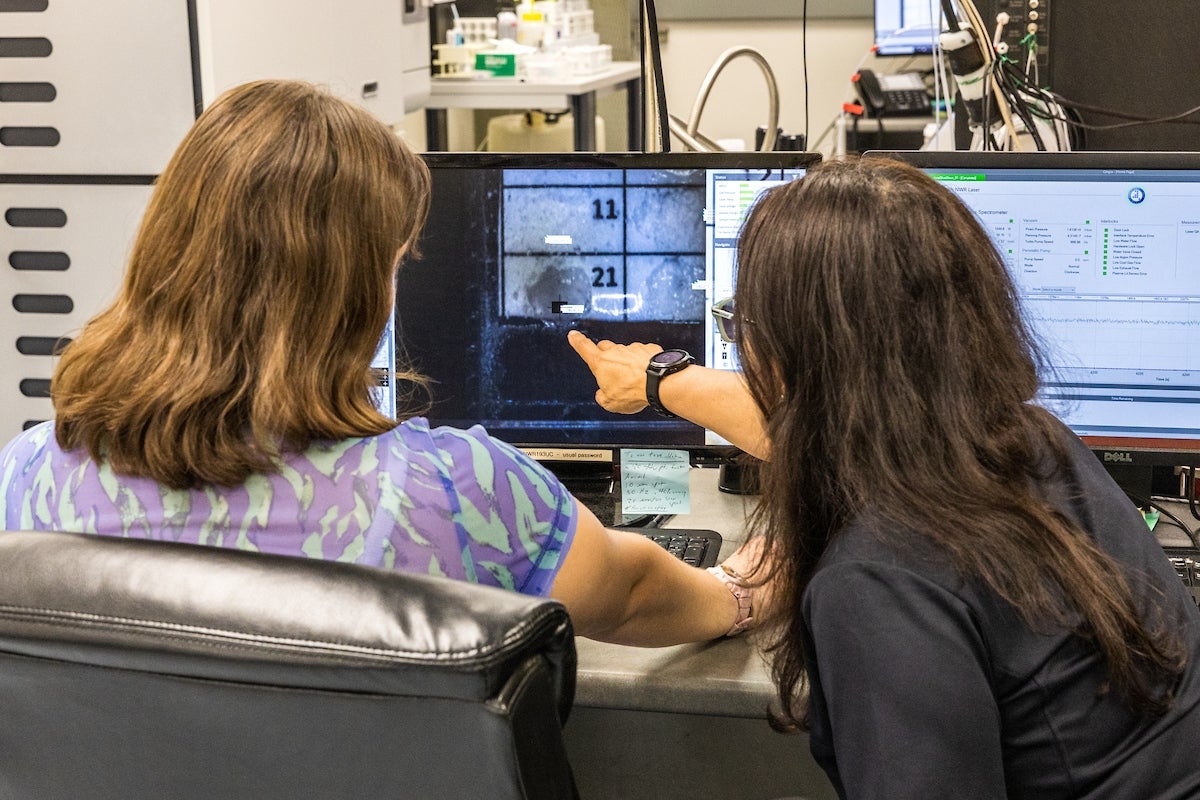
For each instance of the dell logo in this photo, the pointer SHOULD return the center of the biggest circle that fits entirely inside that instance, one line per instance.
(1118, 458)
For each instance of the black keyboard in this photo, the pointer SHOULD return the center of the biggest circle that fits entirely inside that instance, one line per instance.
(697, 547)
(1186, 561)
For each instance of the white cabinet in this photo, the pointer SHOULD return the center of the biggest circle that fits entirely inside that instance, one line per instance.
(64, 250)
(357, 49)
(121, 78)
(94, 99)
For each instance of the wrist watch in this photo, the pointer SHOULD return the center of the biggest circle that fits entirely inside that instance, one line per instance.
(661, 365)
(742, 592)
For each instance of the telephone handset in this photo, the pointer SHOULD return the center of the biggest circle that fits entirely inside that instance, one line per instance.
(895, 95)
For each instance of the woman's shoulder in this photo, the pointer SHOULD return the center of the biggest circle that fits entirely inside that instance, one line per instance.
(418, 433)
(890, 552)
(462, 456)
(32, 464)
(453, 445)
(31, 443)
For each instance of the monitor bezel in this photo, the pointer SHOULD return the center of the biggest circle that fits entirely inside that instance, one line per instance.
(1113, 451)
(700, 453)
(747, 159)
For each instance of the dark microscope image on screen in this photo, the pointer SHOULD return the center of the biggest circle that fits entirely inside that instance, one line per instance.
(615, 250)
(511, 259)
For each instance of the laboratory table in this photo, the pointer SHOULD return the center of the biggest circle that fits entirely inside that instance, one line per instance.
(577, 94)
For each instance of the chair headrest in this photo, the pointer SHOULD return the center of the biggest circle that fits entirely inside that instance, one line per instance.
(96, 598)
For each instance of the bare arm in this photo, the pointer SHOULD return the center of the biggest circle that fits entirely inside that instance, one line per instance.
(622, 587)
(715, 399)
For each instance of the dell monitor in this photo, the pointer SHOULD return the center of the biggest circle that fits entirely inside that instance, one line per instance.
(1105, 251)
(520, 249)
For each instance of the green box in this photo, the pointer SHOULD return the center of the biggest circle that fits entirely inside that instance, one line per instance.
(502, 65)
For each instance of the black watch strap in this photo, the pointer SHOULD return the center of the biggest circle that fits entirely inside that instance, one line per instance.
(661, 365)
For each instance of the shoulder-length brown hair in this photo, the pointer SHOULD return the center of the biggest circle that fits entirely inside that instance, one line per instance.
(882, 338)
(258, 288)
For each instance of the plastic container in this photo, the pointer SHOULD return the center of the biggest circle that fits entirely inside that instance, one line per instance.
(535, 133)
(545, 67)
(588, 59)
(477, 30)
(506, 25)
(531, 29)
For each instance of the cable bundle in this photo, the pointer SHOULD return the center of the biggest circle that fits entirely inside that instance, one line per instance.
(1011, 107)
(1005, 106)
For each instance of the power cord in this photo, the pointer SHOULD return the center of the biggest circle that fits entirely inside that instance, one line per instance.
(656, 138)
(1191, 492)
(1047, 117)
(689, 132)
(804, 65)
(1134, 121)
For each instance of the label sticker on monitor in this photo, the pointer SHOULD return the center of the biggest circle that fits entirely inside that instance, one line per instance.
(383, 367)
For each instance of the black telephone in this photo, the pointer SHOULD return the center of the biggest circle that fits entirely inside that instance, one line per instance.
(897, 95)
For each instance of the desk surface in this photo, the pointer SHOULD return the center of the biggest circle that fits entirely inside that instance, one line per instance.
(700, 707)
(499, 93)
(1168, 533)
(724, 678)
(728, 677)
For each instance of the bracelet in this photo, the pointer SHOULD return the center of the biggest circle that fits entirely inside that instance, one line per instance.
(744, 595)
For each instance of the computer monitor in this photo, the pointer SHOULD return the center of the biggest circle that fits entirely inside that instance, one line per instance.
(906, 27)
(1105, 251)
(520, 249)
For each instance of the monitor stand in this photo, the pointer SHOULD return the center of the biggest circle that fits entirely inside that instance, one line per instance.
(738, 478)
(1137, 481)
(592, 485)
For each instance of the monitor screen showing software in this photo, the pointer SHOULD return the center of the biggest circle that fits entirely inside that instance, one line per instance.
(1105, 250)
(518, 250)
(906, 27)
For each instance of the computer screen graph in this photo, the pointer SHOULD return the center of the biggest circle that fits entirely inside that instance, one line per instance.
(1105, 251)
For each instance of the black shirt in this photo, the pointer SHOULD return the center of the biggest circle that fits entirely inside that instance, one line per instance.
(923, 686)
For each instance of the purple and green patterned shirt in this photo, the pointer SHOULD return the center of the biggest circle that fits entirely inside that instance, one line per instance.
(440, 501)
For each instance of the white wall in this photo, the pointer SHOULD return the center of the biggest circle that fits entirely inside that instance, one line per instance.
(738, 102)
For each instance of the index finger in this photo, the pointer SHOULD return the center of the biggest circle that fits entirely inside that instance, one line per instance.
(583, 346)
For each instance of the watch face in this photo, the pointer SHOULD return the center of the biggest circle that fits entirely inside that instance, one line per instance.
(668, 358)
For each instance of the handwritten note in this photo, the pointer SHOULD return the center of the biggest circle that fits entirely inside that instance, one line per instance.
(654, 482)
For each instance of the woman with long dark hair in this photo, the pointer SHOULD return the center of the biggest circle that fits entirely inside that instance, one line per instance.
(963, 603)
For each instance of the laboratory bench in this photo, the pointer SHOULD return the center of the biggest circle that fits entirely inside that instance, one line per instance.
(577, 94)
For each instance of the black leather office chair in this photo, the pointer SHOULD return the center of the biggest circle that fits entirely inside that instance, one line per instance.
(134, 669)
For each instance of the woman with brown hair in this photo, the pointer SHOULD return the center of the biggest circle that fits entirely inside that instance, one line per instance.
(964, 604)
(224, 398)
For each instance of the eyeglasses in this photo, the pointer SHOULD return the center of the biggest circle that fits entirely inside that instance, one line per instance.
(726, 320)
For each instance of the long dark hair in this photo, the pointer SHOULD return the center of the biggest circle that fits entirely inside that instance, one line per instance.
(882, 337)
